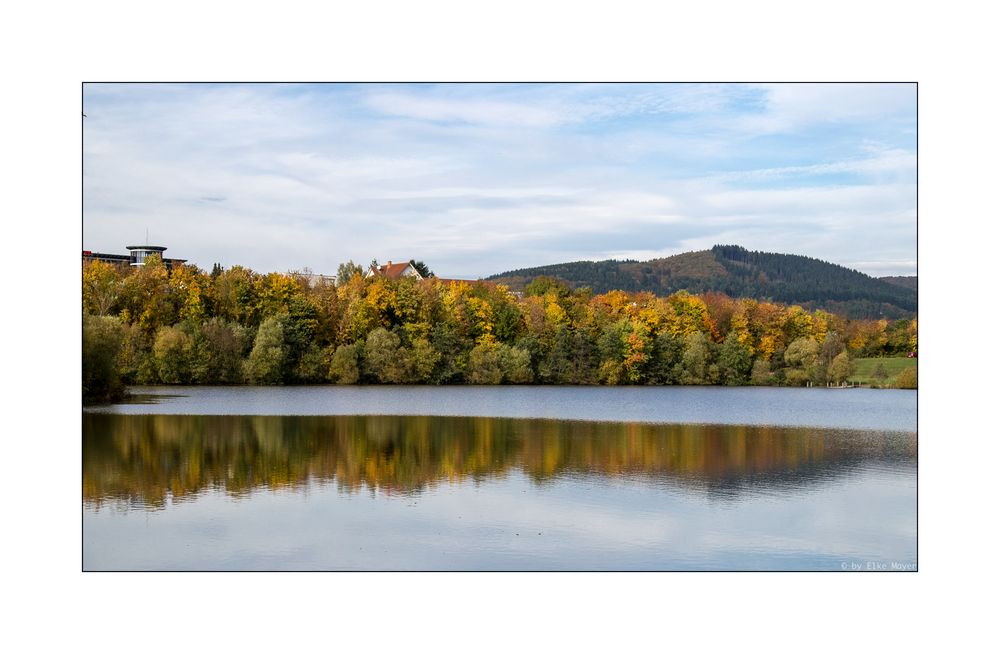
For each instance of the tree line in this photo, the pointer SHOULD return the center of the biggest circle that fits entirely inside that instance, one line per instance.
(150, 324)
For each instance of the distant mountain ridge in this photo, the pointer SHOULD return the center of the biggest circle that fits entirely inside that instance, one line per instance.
(738, 272)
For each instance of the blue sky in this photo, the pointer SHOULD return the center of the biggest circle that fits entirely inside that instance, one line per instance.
(476, 179)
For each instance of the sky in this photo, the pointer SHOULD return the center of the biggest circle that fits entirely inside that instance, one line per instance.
(478, 179)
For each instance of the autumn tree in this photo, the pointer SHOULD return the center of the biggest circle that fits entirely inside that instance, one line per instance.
(907, 379)
(236, 297)
(146, 297)
(101, 287)
(840, 368)
(188, 289)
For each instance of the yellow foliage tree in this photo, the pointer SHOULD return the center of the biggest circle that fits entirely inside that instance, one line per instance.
(101, 287)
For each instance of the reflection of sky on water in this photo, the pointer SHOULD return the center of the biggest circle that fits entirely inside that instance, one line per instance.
(575, 522)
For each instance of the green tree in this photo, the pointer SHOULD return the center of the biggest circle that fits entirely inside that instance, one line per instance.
(484, 365)
(424, 359)
(515, 364)
(543, 285)
(218, 353)
(735, 360)
(299, 331)
(136, 362)
(266, 363)
(346, 271)
(312, 366)
(802, 355)
(384, 360)
(422, 268)
(102, 342)
(667, 353)
(508, 323)
(571, 358)
(447, 341)
(694, 365)
(174, 355)
(879, 373)
(345, 365)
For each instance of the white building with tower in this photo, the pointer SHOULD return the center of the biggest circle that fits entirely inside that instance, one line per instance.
(136, 257)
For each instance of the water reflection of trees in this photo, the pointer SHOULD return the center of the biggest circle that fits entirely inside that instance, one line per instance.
(141, 459)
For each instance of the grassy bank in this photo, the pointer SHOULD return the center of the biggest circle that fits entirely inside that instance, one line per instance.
(865, 370)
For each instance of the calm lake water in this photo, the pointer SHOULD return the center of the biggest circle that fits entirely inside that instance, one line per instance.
(508, 478)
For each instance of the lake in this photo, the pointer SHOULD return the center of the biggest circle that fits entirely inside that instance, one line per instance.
(501, 478)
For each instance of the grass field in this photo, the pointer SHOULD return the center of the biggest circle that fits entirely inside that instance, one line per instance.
(863, 369)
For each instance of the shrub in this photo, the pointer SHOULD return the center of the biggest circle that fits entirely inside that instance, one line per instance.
(907, 378)
(760, 375)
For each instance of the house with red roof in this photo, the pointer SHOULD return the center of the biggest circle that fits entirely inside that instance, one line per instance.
(394, 270)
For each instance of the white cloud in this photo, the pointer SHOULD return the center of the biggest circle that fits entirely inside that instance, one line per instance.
(476, 180)
(464, 110)
(791, 107)
(888, 162)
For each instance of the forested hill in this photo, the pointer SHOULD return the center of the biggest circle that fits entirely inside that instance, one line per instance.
(737, 272)
(908, 282)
